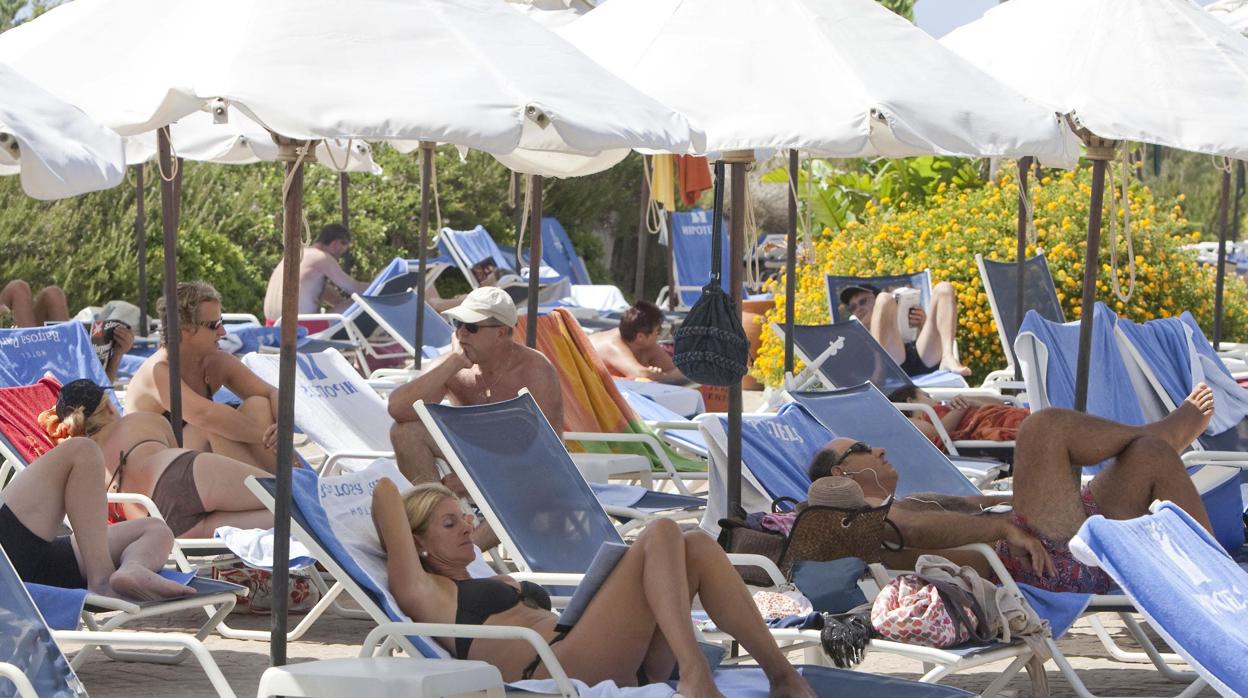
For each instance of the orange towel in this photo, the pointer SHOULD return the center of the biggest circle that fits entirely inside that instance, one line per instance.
(990, 423)
(695, 178)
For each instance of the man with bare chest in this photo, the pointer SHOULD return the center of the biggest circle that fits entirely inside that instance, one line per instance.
(484, 365)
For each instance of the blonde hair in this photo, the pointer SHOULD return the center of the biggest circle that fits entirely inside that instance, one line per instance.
(190, 294)
(80, 423)
(420, 502)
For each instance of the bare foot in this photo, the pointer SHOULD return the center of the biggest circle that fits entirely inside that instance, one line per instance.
(955, 366)
(697, 683)
(137, 583)
(1188, 421)
(794, 686)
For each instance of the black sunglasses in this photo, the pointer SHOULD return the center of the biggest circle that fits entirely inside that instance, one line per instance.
(213, 325)
(855, 447)
(472, 327)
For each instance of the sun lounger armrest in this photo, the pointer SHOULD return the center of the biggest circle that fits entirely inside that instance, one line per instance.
(686, 425)
(138, 499)
(647, 439)
(327, 468)
(998, 568)
(1235, 458)
(919, 408)
(484, 632)
(551, 578)
(23, 685)
(110, 603)
(761, 562)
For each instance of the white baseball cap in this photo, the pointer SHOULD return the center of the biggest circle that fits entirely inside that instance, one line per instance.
(485, 303)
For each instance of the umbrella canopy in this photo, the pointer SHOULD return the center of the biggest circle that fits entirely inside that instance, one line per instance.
(837, 78)
(1231, 12)
(1155, 71)
(241, 141)
(468, 72)
(57, 149)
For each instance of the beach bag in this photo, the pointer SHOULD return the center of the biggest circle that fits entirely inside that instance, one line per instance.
(918, 611)
(711, 346)
(302, 594)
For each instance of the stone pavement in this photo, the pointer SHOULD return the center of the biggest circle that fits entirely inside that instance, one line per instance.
(243, 661)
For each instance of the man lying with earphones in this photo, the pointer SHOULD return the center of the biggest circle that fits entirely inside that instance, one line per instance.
(1048, 504)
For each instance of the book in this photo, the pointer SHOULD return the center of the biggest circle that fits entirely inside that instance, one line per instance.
(605, 560)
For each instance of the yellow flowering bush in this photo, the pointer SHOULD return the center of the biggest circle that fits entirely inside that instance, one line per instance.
(944, 233)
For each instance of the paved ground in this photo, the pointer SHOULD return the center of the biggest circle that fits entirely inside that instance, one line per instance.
(243, 662)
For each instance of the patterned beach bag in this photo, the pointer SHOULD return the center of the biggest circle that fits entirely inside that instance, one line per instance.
(918, 611)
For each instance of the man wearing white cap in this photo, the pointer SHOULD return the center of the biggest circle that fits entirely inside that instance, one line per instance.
(484, 365)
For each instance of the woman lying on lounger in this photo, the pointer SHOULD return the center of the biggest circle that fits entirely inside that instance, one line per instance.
(195, 491)
(119, 560)
(635, 629)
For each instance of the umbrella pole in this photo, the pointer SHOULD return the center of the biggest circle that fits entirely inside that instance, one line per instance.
(790, 266)
(739, 162)
(1091, 265)
(1020, 304)
(289, 152)
(426, 189)
(1239, 194)
(643, 232)
(169, 226)
(140, 245)
(1223, 204)
(344, 211)
(535, 258)
(517, 213)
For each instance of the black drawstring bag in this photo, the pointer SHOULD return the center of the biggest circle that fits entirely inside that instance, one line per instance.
(711, 347)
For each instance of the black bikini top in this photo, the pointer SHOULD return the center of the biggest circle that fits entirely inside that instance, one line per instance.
(481, 598)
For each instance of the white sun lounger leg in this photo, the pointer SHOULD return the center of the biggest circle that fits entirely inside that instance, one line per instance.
(185, 643)
(20, 682)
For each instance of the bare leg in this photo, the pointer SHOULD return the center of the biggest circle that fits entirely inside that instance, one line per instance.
(258, 410)
(139, 549)
(51, 305)
(415, 451)
(1147, 470)
(17, 297)
(1054, 443)
(937, 340)
(884, 326)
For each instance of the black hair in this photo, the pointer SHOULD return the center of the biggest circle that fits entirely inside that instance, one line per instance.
(80, 393)
(332, 233)
(905, 393)
(642, 316)
(821, 465)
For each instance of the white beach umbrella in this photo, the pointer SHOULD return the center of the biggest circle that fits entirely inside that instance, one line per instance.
(1230, 12)
(57, 150)
(472, 73)
(836, 78)
(1164, 72)
(241, 141)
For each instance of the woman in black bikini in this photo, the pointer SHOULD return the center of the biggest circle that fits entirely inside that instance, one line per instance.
(636, 629)
(195, 491)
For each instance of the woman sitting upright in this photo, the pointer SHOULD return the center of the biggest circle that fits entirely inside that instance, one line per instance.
(636, 629)
(195, 491)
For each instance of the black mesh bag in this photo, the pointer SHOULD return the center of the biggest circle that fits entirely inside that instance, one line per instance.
(711, 347)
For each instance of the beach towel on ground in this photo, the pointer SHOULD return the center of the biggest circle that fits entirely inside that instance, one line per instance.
(591, 401)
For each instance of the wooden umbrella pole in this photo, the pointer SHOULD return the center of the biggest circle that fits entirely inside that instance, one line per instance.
(1020, 258)
(1224, 201)
(171, 330)
(739, 162)
(140, 246)
(535, 258)
(294, 154)
(790, 266)
(427, 153)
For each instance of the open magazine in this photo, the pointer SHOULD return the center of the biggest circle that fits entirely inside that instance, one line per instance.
(605, 560)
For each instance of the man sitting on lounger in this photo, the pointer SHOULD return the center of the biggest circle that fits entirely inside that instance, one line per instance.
(1048, 503)
(484, 365)
(632, 350)
(934, 346)
(247, 433)
(318, 266)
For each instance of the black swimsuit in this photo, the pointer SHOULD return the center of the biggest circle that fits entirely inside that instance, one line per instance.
(481, 598)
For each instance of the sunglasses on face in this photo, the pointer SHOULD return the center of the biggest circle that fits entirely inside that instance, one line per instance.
(213, 325)
(856, 447)
(472, 327)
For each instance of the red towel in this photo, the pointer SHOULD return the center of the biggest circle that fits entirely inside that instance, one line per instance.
(990, 423)
(695, 177)
(19, 412)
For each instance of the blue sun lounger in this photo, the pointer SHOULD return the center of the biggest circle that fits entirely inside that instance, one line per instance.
(359, 564)
(920, 281)
(690, 240)
(395, 313)
(560, 255)
(1192, 593)
(1001, 284)
(64, 350)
